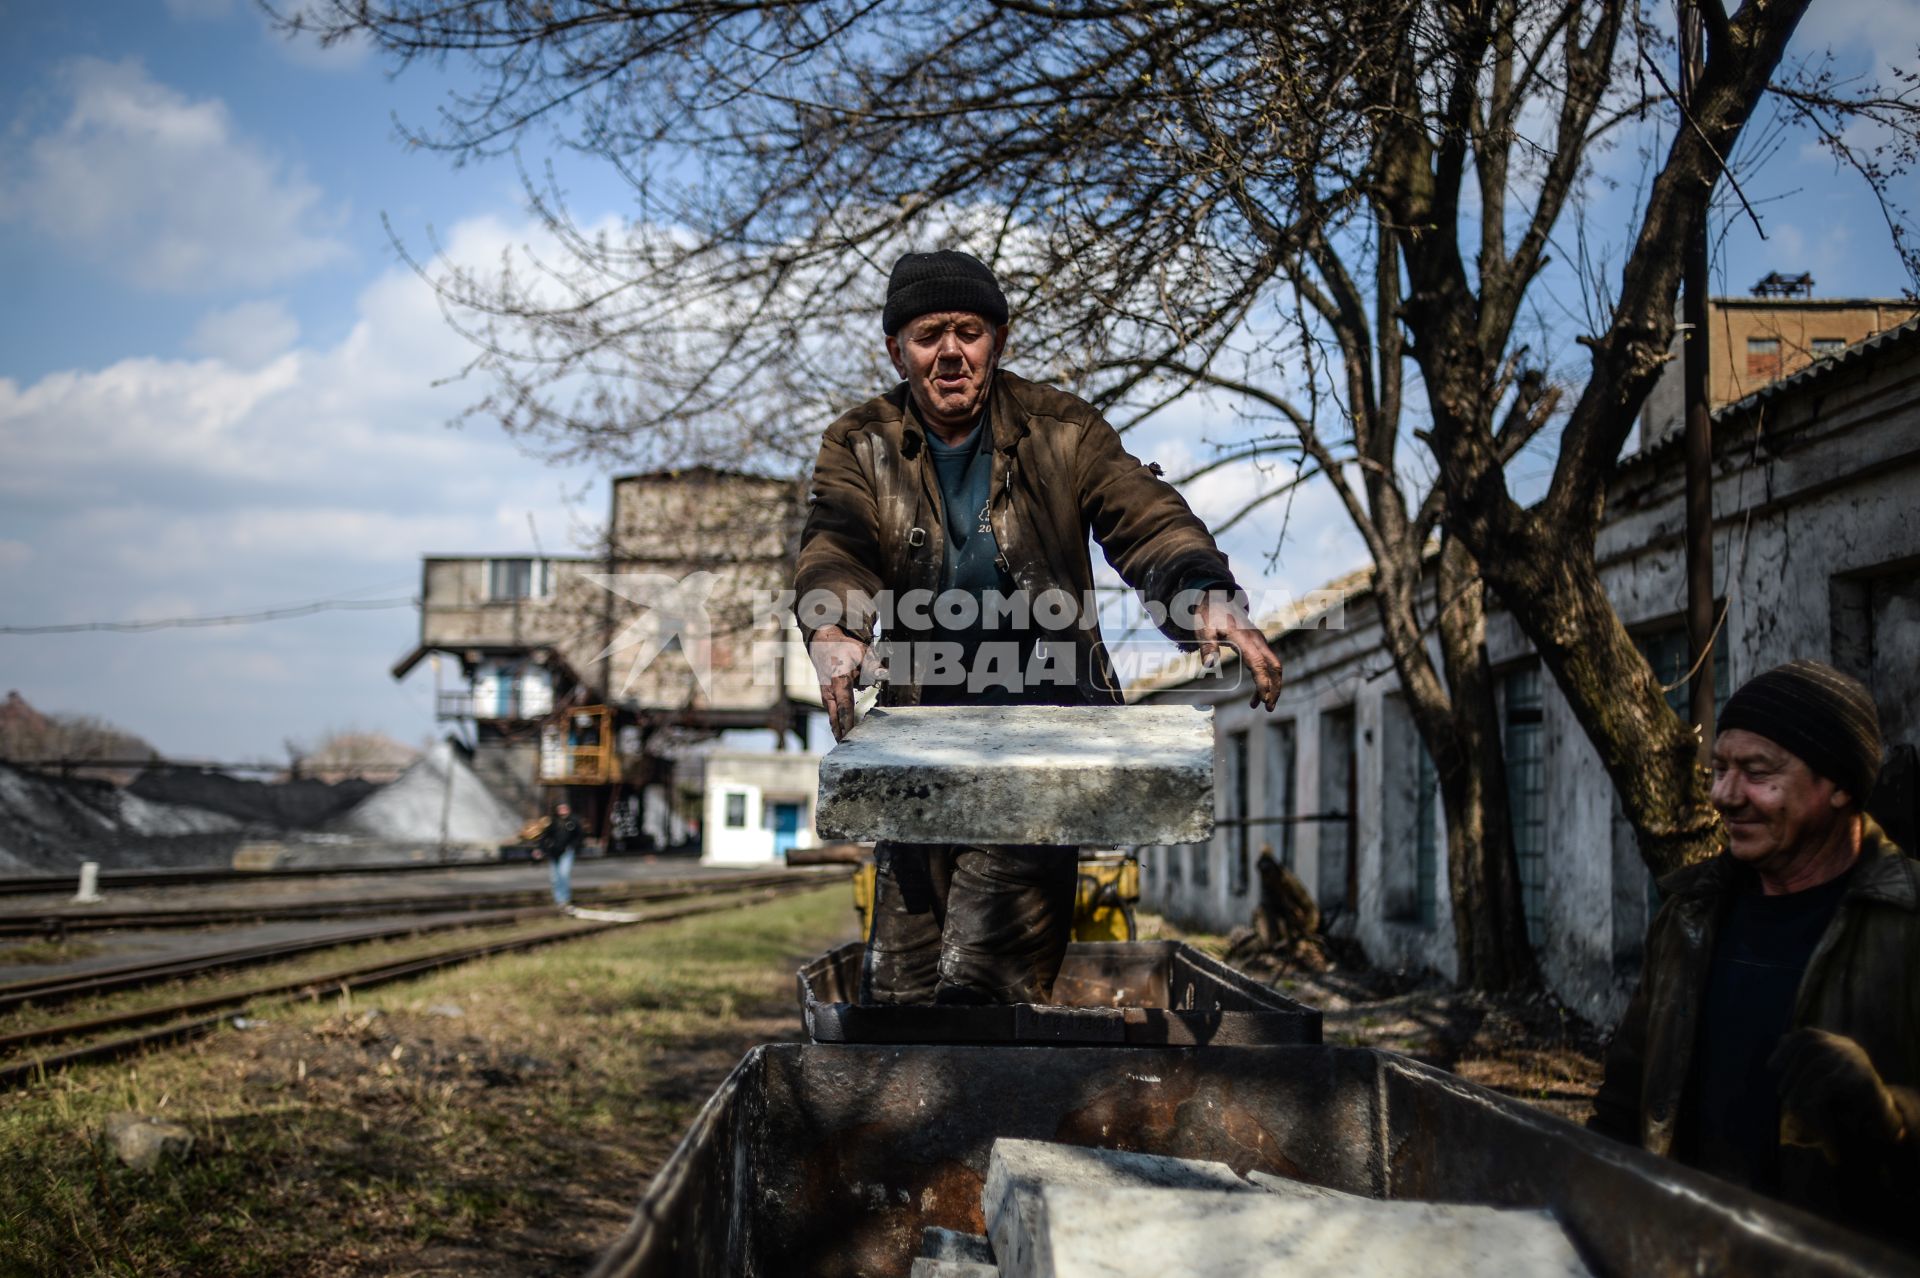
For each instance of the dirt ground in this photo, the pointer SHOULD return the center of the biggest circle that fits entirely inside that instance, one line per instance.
(493, 1120)
(552, 1198)
(503, 1119)
(1530, 1048)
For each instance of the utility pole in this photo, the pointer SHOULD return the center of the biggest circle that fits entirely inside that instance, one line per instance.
(1699, 420)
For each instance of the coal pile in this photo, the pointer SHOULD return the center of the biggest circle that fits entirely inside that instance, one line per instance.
(51, 824)
(299, 804)
(168, 818)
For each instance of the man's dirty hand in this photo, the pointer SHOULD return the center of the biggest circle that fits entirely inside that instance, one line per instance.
(1830, 1090)
(1221, 620)
(837, 658)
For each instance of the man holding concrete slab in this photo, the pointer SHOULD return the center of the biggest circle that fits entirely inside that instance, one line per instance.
(952, 514)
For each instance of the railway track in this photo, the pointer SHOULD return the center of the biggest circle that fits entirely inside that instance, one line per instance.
(57, 922)
(51, 991)
(192, 1017)
(198, 876)
(194, 876)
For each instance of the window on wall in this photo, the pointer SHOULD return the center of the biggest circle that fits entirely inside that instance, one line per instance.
(1872, 618)
(1339, 880)
(1825, 346)
(1426, 842)
(1239, 808)
(1173, 866)
(1396, 892)
(1525, 745)
(736, 810)
(509, 579)
(1280, 797)
(1670, 654)
(1763, 357)
(1199, 860)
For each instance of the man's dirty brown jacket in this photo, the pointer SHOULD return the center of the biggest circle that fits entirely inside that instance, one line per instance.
(1058, 472)
(1863, 981)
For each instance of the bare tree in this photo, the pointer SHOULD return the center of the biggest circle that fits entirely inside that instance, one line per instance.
(29, 735)
(351, 752)
(1292, 205)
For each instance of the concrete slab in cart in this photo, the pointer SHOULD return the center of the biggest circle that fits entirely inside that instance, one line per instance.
(1083, 1232)
(1018, 1170)
(1288, 1187)
(1085, 775)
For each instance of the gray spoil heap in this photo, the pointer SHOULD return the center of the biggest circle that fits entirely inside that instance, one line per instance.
(438, 799)
(1088, 775)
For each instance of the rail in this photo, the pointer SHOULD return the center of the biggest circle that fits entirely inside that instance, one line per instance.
(198, 1021)
(62, 920)
(39, 884)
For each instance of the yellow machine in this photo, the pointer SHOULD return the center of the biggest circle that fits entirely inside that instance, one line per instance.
(1102, 909)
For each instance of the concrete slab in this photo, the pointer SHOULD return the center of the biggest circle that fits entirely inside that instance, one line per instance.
(950, 1244)
(1288, 1187)
(1018, 1169)
(925, 1268)
(1087, 775)
(1082, 1232)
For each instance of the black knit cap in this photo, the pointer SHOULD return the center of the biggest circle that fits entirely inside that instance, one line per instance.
(1812, 710)
(923, 283)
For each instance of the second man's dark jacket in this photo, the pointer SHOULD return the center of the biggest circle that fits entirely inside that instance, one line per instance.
(1863, 982)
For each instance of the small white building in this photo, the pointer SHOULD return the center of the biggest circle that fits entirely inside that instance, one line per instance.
(1817, 537)
(758, 805)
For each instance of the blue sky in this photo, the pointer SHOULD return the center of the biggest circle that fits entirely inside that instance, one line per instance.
(220, 391)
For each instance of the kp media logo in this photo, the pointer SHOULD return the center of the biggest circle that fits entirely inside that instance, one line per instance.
(669, 610)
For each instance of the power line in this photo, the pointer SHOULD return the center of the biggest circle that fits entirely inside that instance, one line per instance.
(229, 619)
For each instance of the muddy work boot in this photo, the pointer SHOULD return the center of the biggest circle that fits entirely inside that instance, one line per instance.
(967, 925)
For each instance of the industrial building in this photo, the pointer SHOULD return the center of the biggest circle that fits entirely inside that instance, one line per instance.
(1816, 478)
(606, 678)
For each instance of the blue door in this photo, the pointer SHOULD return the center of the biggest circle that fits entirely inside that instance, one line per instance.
(786, 828)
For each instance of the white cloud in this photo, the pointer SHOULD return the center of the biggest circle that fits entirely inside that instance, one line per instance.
(164, 190)
(1887, 31)
(195, 486)
(247, 335)
(1293, 543)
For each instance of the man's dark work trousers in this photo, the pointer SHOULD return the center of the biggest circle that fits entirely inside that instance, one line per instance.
(957, 924)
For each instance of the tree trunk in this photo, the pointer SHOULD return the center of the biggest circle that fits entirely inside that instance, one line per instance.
(1651, 756)
(1458, 725)
(1483, 868)
(1540, 561)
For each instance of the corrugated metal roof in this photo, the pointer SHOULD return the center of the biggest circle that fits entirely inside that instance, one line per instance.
(1302, 614)
(1847, 357)
(1865, 350)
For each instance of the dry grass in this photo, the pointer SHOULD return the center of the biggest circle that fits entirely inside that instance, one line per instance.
(496, 1119)
(40, 951)
(303, 967)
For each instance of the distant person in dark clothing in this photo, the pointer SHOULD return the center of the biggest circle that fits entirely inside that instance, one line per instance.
(1286, 922)
(558, 843)
(1775, 1037)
